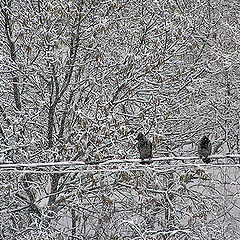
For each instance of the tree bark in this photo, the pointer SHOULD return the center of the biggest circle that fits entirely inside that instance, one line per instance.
(9, 35)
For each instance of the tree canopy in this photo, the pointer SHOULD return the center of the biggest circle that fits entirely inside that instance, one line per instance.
(79, 79)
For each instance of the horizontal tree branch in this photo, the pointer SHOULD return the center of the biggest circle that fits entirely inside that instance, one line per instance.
(117, 161)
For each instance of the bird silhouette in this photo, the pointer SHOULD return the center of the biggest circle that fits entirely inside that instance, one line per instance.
(144, 147)
(204, 149)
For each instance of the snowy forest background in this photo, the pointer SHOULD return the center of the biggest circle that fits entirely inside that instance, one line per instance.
(79, 79)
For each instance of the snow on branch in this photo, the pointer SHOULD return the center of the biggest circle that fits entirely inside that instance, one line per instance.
(122, 161)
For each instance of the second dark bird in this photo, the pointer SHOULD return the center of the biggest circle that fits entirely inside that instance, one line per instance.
(204, 149)
(144, 147)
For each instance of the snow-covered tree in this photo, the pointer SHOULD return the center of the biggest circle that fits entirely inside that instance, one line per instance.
(79, 80)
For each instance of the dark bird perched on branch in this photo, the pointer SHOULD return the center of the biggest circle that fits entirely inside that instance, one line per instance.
(204, 149)
(144, 147)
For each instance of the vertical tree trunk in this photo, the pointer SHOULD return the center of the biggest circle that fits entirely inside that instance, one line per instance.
(51, 125)
(73, 213)
(9, 35)
(169, 182)
(16, 94)
(63, 119)
(54, 188)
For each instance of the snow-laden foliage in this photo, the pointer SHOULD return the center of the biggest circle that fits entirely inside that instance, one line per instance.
(80, 79)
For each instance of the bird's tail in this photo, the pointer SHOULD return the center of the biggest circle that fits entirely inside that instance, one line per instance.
(206, 160)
